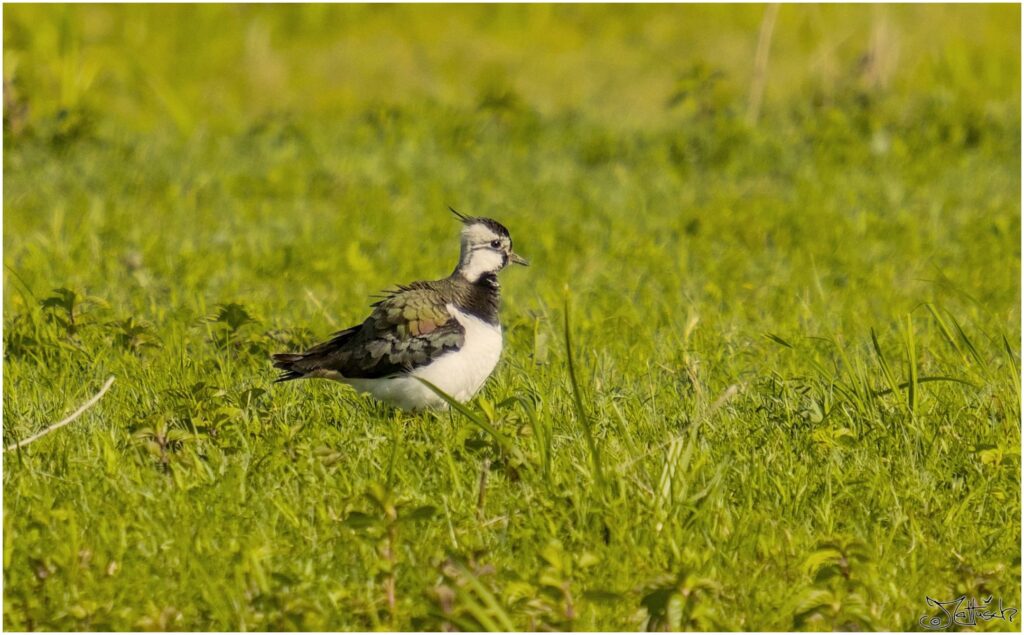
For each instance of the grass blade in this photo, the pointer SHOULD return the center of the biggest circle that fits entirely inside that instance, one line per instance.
(883, 364)
(923, 380)
(967, 341)
(778, 340)
(581, 412)
(911, 368)
(501, 439)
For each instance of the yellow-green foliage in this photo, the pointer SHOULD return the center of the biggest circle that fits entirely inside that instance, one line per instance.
(795, 322)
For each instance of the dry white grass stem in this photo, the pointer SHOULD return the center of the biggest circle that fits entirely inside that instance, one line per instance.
(312, 298)
(61, 424)
(764, 44)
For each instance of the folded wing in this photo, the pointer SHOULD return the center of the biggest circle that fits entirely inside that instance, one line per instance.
(411, 327)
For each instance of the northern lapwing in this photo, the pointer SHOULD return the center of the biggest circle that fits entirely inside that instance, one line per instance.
(445, 331)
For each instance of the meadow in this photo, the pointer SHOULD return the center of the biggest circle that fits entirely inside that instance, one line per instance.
(762, 373)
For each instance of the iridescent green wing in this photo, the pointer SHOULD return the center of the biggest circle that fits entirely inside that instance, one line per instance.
(409, 328)
(411, 312)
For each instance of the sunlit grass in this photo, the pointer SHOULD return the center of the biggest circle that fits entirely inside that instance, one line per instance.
(787, 394)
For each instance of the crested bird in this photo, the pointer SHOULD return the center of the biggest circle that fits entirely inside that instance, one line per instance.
(445, 332)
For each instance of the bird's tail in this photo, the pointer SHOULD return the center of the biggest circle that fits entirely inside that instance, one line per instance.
(288, 362)
(299, 365)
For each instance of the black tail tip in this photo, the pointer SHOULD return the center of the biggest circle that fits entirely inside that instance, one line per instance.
(286, 362)
(288, 375)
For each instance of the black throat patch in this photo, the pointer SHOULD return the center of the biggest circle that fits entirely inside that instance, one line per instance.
(481, 299)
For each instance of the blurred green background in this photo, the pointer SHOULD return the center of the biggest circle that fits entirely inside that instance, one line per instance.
(796, 313)
(217, 67)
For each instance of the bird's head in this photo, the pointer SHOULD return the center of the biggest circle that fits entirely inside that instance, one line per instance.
(486, 248)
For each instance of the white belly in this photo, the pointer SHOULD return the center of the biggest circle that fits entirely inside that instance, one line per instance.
(460, 373)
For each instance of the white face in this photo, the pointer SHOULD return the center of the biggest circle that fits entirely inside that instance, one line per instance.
(483, 251)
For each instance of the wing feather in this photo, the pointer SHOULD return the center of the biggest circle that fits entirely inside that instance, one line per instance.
(408, 328)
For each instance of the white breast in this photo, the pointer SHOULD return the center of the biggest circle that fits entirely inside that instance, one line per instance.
(460, 373)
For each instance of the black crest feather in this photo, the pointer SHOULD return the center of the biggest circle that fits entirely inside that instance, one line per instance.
(492, 224)
(462, 217)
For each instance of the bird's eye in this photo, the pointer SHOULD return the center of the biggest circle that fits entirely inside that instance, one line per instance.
(495, 243)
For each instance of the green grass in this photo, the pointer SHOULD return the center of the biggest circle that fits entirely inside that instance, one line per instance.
(795, 341)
